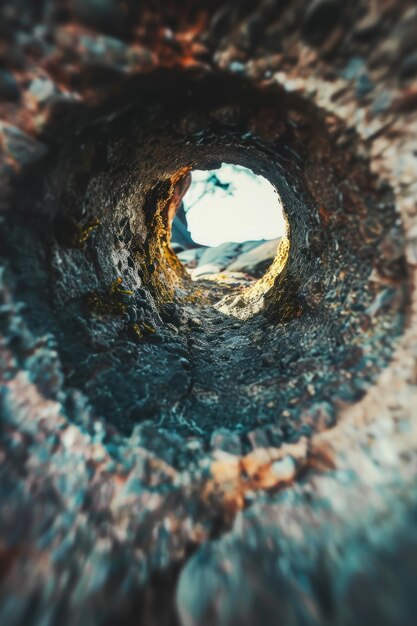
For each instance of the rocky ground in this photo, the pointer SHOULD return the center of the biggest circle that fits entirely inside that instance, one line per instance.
(250, 258)
(236, 443)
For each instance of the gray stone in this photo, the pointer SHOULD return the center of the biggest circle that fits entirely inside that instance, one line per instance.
(320, 17)
(23, 148)
(257, 260)
(408, 67)
(42, 89)
(220, 255)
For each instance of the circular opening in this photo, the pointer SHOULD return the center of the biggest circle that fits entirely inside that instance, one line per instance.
(229, 224)
(232, 204)
(139, 412)
(146, 344)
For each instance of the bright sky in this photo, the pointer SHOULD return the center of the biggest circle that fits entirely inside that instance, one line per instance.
(252, 210)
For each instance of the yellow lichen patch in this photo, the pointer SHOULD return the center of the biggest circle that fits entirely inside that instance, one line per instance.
(116, 287)
(110, 303)
(87, 229)
(76, 235)
(234, 477)
(137, 330)
(105, 305)
(183, 171)
(161, 266)
(143, 329)
(170, 255)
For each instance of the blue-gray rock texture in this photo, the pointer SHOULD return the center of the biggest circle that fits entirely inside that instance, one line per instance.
(210, 452)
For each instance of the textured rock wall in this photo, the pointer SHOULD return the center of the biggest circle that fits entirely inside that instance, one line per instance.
(163, 460)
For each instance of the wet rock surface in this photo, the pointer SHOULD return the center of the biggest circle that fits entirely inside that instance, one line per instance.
(231, 449)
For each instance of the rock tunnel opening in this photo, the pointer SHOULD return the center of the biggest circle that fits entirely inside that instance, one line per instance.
(178, 451)
(227, 205)
(239, 218)
(149, 348)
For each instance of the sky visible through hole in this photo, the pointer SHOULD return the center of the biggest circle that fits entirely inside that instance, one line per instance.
(232, 204)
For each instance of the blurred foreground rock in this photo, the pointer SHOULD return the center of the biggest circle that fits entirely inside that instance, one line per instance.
(207, 453)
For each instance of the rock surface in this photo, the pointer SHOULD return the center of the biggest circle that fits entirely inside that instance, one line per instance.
(215, 451)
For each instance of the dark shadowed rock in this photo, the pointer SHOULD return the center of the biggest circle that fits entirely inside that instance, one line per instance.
(227, 451)
(111, 16)
(9, 88)
(408, 67)
(320, 18)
